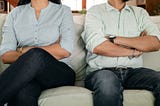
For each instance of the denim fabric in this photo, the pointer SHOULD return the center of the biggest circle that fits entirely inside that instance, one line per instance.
(108, 84)
(22, 82)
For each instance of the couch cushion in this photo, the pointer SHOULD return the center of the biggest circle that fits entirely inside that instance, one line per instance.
(78, 61)
(66, 96)
(152, 60)
(156, 20)
(138, 98)
(78, 96)
(78, 56)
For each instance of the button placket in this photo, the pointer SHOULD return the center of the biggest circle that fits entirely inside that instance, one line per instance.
(36, 34)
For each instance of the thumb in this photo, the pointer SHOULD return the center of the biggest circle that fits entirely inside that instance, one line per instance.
(144, 33)
(59, 39)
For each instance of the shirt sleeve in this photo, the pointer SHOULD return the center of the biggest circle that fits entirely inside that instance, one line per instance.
(93, 34)
(67, 30)
(148, 25)
(9, 41)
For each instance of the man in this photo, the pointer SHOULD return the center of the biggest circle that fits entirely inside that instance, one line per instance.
(116, 35)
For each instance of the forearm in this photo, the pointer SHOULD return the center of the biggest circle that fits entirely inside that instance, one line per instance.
(142, 43)
(10, 57)
(109, 49)
(56, 51)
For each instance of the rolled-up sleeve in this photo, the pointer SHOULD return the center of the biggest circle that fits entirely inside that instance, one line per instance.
(93, 34)
(148, 25)
(9, 41)
(67, 30)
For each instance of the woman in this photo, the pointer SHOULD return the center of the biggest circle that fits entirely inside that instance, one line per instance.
(37, 42)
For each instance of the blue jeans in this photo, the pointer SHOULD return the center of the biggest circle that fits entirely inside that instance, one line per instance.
(108, 84)
(23, 81)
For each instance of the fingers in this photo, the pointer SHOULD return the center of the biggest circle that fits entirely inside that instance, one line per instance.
(137, 53)
(144, 33)
(59, 39)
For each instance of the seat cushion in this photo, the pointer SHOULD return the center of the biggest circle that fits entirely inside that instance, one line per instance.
(66, 96)
(138, 98)
(79, 96)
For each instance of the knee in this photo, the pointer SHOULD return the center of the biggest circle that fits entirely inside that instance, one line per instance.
(37, 55)
(105, 76)
(106, 82)
(36, 52)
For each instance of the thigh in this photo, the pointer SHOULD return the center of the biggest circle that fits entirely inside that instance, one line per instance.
(102, 78)
(55, 74)
(142, 78)
(106, 87)
(27, 96)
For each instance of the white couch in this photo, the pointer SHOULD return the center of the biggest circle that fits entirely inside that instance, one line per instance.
(80, 96)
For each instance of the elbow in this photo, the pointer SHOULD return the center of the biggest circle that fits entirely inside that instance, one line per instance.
(67, 54)
(99, 51)
(156, 47)
(96, 50)
(4, 60)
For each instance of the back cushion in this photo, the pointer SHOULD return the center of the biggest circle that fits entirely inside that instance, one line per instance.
(78, 61)
(152, 59)
(2, 20)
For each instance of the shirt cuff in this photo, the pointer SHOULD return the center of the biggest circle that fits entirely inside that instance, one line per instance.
(95, 43)
(2, 51)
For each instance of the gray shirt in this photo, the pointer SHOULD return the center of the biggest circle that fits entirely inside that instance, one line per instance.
(23, 29)
(104, 19)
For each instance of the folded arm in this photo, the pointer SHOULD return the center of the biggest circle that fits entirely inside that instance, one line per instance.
(109, 49)
(55, 50)
(141, 43)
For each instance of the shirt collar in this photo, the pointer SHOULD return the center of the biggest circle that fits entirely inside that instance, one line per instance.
(111, 8)
(44, 9)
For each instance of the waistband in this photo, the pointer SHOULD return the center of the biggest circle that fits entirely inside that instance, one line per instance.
(117, 68)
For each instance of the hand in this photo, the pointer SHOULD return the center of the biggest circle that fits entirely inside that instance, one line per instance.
(23, 50)
(57, 43)
(137, 53)
(54, 48)
(59, 39)
(107, 37)
(144, 33)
